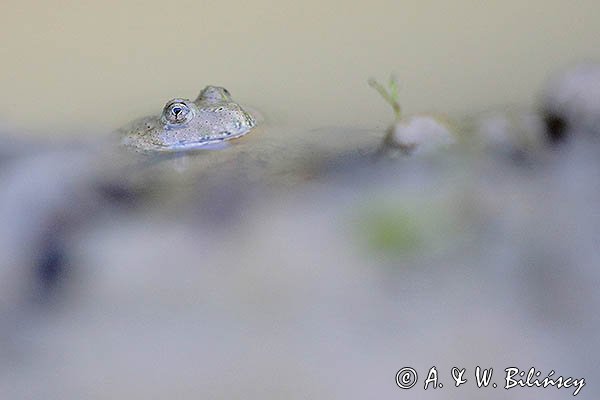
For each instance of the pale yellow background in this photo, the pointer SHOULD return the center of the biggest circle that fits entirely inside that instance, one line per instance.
(79, 66)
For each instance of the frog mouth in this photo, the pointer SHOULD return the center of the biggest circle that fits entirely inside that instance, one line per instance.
(203, 142)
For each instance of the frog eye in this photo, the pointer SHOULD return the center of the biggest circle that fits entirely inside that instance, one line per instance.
(177, 111)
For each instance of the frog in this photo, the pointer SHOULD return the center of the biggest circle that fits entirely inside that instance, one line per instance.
(214, 117)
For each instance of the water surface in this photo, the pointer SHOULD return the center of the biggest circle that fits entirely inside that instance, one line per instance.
(79, 67)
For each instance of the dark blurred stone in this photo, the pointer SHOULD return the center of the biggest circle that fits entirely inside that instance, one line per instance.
(51, 268)
(571, 103)
(557, 129)
(119, 194)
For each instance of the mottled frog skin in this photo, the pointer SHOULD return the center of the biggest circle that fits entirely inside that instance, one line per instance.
(187, 125)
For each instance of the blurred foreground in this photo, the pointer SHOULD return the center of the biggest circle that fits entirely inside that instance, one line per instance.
(304, 269)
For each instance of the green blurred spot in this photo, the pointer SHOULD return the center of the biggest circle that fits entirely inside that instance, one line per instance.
(392, 231)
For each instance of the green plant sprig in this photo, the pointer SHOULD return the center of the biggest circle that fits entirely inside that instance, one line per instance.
(391, 96)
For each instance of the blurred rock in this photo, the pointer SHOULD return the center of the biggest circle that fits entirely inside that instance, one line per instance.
(419, 134)
(514, 133)
(571, 103)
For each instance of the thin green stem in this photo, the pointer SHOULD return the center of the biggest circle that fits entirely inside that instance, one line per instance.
(391, 97)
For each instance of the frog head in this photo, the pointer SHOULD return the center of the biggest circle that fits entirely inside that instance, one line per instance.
(185, 125)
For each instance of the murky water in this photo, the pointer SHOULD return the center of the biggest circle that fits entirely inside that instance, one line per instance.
(305, 259)
(72, 67)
